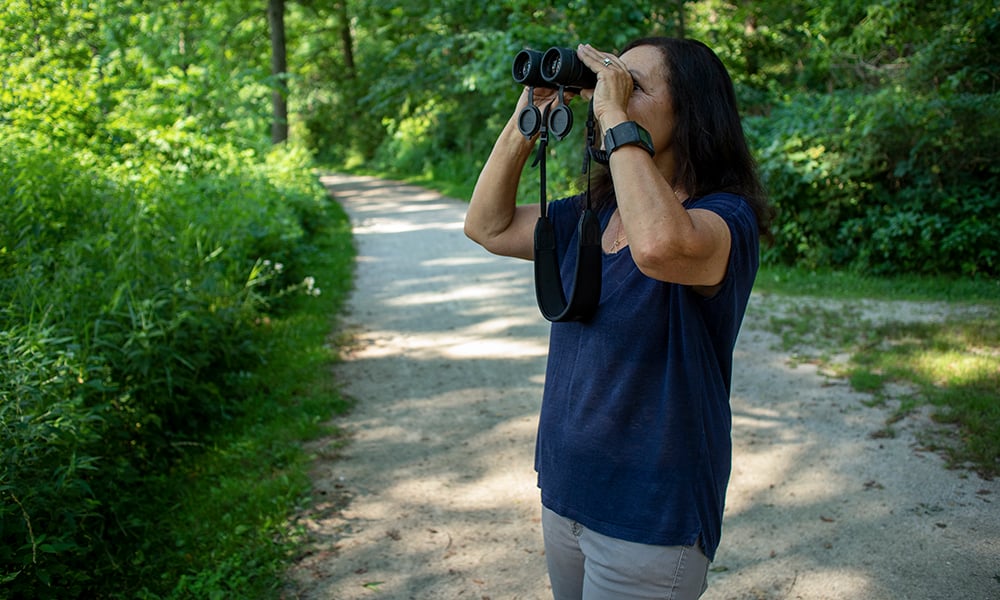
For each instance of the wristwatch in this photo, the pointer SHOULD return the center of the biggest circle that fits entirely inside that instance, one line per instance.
(627, 133)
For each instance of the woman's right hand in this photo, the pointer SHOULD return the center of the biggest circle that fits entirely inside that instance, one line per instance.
(543, 97)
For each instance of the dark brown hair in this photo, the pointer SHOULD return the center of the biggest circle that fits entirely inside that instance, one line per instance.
(709, 144)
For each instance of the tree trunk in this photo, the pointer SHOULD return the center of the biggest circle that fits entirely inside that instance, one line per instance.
(346, 40)
(279, 71)
(681, 26)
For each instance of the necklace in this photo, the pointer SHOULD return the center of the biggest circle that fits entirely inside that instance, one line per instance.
(621, 236)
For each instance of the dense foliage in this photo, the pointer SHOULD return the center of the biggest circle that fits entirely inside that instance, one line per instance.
(148, 230)
(873, 121)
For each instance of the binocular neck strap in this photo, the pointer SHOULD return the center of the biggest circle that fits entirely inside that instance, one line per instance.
(585, 293)
(592, 153)
(543, 147)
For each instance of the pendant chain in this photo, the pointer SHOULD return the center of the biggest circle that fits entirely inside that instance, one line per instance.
(621, 235)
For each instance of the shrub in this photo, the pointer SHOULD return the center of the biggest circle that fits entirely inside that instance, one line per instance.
(884, 182)
(134, 293)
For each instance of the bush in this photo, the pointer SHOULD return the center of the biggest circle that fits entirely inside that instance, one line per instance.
(885, 182)
(134, 295)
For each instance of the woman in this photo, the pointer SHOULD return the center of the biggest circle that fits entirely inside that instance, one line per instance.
(633, 452)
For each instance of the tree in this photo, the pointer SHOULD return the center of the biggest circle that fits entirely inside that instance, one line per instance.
(279, 71)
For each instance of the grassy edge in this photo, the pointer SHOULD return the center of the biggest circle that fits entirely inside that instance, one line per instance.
(228, 533)
(844, 285)
(950, 365)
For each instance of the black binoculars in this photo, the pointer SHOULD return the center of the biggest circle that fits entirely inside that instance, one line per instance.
(556, 68)
(560, 69)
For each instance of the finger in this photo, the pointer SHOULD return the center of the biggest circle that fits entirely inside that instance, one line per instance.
(590, 56)
(595, 59)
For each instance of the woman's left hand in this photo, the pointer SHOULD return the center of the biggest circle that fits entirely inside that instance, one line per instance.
(614, 85)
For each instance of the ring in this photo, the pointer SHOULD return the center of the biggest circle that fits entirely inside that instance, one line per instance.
(607, 62)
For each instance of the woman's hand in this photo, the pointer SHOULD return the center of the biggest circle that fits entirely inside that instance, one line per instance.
(544, 99)
(614, 85)
(541, 96)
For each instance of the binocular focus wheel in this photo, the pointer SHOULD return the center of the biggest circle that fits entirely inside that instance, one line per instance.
(529, 121)
(561, 121)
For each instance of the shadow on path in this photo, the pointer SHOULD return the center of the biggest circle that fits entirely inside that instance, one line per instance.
(433, 495)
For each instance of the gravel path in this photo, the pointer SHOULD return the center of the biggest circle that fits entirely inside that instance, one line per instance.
(431, 494)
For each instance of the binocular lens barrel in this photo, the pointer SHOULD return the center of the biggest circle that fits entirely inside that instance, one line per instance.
(528, 68)
(556, 67)
(561, 66)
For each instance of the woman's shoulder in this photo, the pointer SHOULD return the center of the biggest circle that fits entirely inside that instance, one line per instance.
(717, 199)
(730, 206)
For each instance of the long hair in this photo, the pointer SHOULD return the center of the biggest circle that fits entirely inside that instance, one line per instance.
(709, 144)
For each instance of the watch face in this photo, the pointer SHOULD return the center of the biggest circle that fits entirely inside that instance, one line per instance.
(646, 137)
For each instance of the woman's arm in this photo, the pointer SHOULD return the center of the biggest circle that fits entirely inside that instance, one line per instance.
(667, 241)
(493, 219)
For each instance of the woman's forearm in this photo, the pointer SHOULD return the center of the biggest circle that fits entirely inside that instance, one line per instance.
(493, 219)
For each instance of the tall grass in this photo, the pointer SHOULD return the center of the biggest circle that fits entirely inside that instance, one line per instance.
(139, 292)
(232, 497)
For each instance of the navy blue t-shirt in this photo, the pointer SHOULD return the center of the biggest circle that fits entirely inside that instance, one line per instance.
(634, 433)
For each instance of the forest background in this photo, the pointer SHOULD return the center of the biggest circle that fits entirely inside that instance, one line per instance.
(161, 224)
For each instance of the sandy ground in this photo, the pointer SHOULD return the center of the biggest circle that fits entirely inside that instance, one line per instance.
(431, 493)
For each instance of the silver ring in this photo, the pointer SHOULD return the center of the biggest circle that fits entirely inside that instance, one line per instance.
(607, 62)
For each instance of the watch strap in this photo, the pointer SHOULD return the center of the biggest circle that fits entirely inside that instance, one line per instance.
(625, 134)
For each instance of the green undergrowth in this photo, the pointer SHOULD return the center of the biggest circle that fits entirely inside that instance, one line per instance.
(226, 507)
(949, 364)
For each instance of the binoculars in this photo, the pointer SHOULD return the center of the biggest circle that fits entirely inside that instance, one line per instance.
(560, 69)
(556, 68)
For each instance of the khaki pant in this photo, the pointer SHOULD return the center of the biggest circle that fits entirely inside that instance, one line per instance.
(585, 565)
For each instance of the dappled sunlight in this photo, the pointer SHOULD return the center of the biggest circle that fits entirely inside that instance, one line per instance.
(409, 208)
(489, 484)
(384, 226)
(839, 583)
(457, 261)
(455, 294)
(807, 457)
(485, 349)
(452, 344)
(447, 366)
(802, 579)
(502, 325)
(756, 417)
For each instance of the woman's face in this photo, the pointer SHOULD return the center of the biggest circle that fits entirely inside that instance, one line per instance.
(651, 105)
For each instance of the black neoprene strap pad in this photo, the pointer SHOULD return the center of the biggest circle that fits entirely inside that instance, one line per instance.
(585, 293)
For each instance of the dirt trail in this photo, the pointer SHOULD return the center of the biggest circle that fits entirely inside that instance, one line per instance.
(433, 495)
